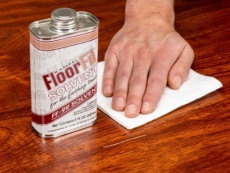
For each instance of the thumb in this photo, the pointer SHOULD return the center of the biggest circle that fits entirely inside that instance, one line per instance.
(180, 70)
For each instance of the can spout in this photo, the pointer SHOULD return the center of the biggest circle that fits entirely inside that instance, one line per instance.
(64, 20)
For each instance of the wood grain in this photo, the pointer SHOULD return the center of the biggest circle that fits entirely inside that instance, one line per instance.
(193, 138)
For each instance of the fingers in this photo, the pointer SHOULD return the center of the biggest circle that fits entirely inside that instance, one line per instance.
(155, 86)
(159, 75)
(180, 69)
(110, 70)
(136, 75)
(137, 86)
(121, 83)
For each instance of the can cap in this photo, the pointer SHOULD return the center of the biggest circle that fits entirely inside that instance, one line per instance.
(64, 19)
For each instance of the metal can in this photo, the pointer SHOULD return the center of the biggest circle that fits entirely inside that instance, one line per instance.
(63, 67)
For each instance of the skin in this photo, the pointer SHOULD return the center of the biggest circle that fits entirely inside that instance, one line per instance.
(144, 56)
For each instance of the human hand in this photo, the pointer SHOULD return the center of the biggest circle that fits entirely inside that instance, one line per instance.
(139, 62)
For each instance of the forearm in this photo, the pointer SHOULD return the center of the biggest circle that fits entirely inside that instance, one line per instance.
(150, 13)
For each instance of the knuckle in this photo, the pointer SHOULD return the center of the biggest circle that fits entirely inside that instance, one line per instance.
(160, 53)
(110, 68)
(183, 69)
(189, 52)
(120, 91)
(143, 56)
(110, 52)
(143, 52)
(107, 80)
(127, 49)
(163, 57)
(134, 98)
(123, 74)
(137, 79)
(157, 71)
(156, 81)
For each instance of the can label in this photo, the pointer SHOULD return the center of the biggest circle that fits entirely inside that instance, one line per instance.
(63, 83)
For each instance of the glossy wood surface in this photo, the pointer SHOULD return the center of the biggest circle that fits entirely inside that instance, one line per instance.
(193, 138)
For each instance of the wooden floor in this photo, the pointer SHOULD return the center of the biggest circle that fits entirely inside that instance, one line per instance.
(193, 138)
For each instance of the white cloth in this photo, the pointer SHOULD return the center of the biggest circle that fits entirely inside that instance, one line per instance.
(195, 86)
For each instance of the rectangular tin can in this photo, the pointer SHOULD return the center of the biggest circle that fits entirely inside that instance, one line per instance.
(63, 67)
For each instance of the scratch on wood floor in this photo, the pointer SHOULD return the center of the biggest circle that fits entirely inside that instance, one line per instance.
(124, 141)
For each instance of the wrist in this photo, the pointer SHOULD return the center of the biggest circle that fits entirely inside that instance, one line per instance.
(150, 13)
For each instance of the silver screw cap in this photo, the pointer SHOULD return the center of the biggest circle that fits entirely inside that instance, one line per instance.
(64, 19)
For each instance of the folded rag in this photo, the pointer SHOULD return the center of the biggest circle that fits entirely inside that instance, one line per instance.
(195, 86)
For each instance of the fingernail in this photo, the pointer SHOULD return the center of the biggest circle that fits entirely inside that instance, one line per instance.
(145, 106)
(177, 81)
(131, 109)
(107, 89)
(119, 102)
